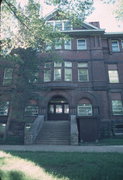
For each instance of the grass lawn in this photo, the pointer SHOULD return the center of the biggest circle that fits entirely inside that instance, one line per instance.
(60, 166)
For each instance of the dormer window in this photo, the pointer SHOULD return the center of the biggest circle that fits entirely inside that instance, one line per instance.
(115, 46)
(63, 25)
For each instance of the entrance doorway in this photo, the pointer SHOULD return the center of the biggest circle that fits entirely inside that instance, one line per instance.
(58, 109)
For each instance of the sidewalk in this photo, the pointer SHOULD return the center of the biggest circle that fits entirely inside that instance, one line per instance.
(62, 148)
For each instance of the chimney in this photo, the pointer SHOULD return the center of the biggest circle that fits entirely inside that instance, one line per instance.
(96, 24)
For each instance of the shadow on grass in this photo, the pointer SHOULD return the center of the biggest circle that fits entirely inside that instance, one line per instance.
(78, 166)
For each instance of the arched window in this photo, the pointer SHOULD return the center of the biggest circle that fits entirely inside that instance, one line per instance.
(84, 108)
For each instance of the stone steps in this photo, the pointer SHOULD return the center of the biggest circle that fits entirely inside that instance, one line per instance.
(54, 133)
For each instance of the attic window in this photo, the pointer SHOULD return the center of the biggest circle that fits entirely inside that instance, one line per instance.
(63, 25)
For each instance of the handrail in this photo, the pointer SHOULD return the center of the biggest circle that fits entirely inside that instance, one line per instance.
(34, 130)
(74, 130)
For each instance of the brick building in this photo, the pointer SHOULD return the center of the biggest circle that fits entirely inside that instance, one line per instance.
(84, 90)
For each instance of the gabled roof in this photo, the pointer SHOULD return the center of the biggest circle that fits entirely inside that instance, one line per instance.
(88, 27)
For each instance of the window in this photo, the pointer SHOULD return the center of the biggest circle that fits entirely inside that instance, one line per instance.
(81, 44)
(117, 107)
(58, 25)
(83, 72)
(48, 46)
(7, 76)
(4, 108)
(68, 71)
(63, 25)
(67, 25)
(113, 73)
(58, 43)
(66, 108)
(47, 72)
(57, 71)
(115, 46)
(122, 43)
(84, 108)
(31, 110)
(67, 44)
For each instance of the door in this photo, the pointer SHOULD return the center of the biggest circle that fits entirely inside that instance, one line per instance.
(58, 109)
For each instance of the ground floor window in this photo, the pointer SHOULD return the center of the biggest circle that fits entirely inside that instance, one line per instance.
(84, 108)
(117, 107)
(4, 108)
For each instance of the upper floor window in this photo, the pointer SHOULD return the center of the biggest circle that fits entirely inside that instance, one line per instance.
(7, 79)
(115, 46)
(84, 108)
(4, 108)
(57, 71)
(83, 75)
(68, 71)
(81, 44)
(67, 44)
(48, 46)
(47, 72)
(58, 43)
(63, 25)
(113, 73)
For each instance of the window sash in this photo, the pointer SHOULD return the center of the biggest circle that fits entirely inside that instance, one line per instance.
(81, 44)
(115, 46)
(47, 75)
(117, 107)
(57, 74)
(84, 110)
(67, 44)
(83, 75)
(68, 74)
(31, 110)
(4, 108)
(113, 76)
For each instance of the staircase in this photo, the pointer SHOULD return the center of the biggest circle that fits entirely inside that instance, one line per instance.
(54, 133)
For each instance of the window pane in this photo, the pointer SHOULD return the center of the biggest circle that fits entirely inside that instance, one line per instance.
(67, 44)
(113, 76)
(85, 110)
(81, 44)
(4, 108)
(58, 109)
(68, 74)
(66, 108)
(57, 64)
(117, 107)
(47, 75)
(51, 109)
(68, 64)
(83, 75)
(83, 65)
(58, 26)
(7, 76)
(67, 25)
(31, 110)
(57, 74)
(58, 43)
(115, 46)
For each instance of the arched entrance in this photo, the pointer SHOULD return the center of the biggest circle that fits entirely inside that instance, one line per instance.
(58, 109)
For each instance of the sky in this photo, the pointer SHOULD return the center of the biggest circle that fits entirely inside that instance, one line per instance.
(104, 13)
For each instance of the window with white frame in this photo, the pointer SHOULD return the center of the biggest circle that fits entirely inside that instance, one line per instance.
(67, 25)
(7, 79)
(113, 73)
(84, 108)
(81, 44)
(47, 72)
(4, 108)
(115, 46)
(67, 44)
(67, 71)
(58, 43)
(83, 75)
(61, 25)
(57, 71)
(31, 110)
(117, 107)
